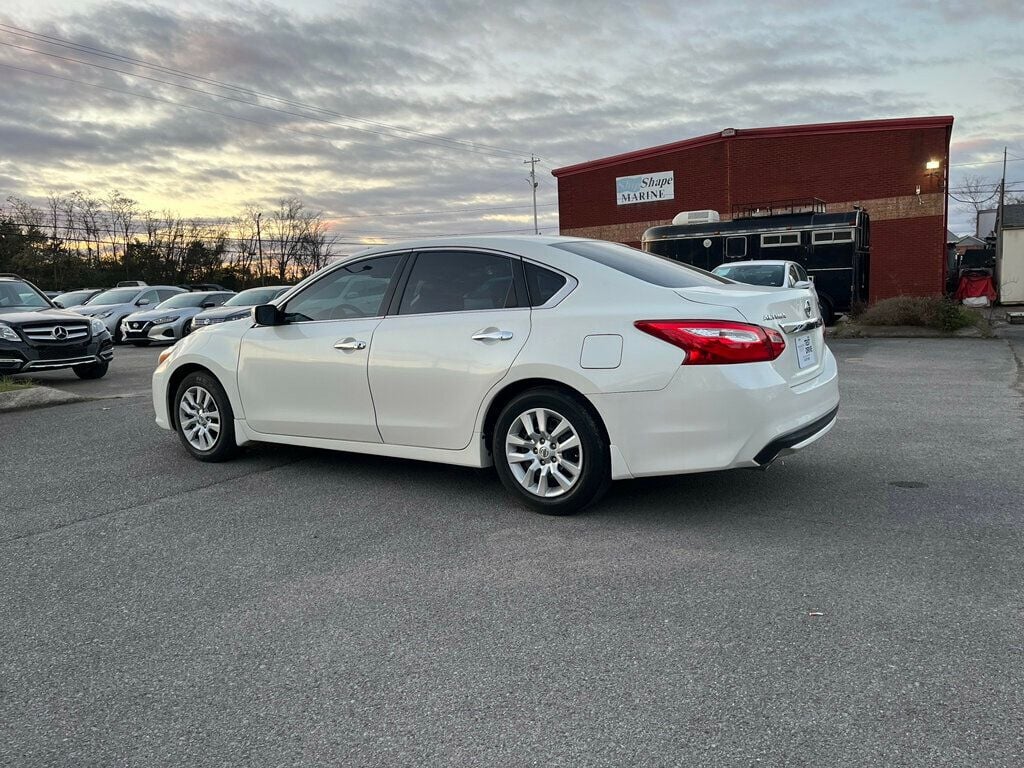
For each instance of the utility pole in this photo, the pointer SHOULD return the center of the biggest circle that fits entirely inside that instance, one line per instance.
(259, 244)
(532, 162)
(999, 224)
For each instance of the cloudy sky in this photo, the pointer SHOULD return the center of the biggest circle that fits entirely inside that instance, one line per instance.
(426, 109)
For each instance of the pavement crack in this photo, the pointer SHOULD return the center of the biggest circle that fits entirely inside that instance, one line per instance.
(130, 507)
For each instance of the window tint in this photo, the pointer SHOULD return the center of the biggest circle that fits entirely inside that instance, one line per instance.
(458, 281)
(787, 238)
(166, 294)
(542, 283)
(351, 291)
(735, 247)
(656, 270)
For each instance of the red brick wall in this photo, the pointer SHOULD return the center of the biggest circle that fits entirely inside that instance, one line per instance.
(908, 249)
(907, 257)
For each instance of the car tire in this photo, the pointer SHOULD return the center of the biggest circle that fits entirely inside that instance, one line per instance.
(91, 370)
(186, 329)
(563, 463)
(828, 315)
(142, 343)
(118, 337)
(203, 418)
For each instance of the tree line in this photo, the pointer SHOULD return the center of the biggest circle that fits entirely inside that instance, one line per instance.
(80, 240)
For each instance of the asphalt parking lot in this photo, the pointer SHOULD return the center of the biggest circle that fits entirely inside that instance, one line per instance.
(860, 603)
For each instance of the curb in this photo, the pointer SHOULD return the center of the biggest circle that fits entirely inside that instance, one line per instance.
(36, 397)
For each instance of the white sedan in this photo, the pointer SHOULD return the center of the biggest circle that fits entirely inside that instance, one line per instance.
(778, 274)
(564, 363)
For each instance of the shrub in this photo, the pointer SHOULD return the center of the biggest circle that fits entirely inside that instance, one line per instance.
(941, 314)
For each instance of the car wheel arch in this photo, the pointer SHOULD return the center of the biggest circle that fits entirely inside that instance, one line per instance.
(176, 378)
(513, 389)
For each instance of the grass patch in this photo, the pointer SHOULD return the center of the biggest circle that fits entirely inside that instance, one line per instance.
(922, 311)
(7, 384)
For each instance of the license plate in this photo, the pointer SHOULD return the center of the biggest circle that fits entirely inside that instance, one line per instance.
(805, 354)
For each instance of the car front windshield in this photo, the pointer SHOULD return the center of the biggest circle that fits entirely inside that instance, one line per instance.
(755, 274)
(73, 298)
(19, 295)
(115, 296)
(252, 297)
(183, 300)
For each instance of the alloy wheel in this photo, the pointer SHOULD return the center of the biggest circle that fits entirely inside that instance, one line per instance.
(544, 452)
(199, 418)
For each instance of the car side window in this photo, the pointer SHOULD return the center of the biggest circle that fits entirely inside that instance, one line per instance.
(355, 290)
(542, 284)
(458, 281)
(801, 273)
(794, 277)
(151, 296)
(165, 295)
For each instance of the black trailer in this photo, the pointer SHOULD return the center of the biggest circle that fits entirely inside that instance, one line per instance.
(834, 248)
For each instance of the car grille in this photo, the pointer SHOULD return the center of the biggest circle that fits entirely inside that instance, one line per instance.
(56, 333)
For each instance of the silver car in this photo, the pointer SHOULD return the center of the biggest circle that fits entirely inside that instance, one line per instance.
(113, 306)
(239, 306)
(171, 320)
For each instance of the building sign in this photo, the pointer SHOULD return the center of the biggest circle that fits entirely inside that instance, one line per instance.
(648, 188)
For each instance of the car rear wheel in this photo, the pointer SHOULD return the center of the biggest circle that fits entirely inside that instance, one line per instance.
(91, 370)
(549, 452)
(203, 418)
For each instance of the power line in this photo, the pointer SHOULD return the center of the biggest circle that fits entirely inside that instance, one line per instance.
(427, 138)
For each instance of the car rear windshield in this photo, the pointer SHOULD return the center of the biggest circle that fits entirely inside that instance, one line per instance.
(755, 274)
(656, 270)
(253, 297)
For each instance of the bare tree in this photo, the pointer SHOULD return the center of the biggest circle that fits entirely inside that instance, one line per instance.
(122, 213)
(974, 194)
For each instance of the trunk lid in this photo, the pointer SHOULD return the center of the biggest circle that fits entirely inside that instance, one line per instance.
(791, 311)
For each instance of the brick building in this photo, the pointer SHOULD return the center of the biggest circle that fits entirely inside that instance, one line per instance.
(894, 169)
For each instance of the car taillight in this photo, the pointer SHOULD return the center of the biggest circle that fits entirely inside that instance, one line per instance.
(716, 342)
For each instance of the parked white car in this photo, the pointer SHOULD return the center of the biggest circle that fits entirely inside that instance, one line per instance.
(777, 274)
(565, 363)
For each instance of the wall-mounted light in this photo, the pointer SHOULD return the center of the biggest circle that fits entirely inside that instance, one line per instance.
(932, 165)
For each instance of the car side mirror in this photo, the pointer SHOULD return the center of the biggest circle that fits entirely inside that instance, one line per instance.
(802, 284)
(268, 314)
(58, 304)
(141, 302)
(207, 305)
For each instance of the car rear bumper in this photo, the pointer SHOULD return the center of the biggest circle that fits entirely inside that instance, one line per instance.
(718, 417)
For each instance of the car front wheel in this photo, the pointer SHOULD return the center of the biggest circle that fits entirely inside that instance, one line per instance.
(549, 452)
(203, 418)
(91, 370)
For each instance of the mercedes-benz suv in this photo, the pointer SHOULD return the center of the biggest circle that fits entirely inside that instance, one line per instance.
(35, 335)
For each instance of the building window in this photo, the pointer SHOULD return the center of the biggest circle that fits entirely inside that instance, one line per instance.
(735, 247)
(781, 239)
(832, 236)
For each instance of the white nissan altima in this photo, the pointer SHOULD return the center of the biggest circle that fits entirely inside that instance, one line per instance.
(566, 363)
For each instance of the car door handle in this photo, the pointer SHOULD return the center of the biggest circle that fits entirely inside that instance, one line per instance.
(494, 335)
(348, 344)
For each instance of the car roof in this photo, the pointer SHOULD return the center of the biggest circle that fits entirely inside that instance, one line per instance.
(760, 262)
(495, 242)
